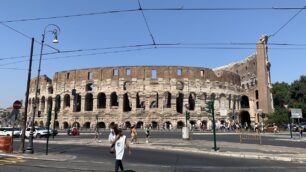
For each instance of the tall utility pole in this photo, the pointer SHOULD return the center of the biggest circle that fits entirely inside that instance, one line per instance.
(25, 116)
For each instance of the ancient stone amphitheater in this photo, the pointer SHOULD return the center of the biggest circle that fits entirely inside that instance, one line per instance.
(157, 96)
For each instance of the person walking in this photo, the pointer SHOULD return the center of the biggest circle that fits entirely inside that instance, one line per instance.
(120, 144)
(133, 134)
(111, 136)
(147, 133)
(97, 134)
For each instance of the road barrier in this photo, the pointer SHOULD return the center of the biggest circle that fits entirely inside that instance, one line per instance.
(250, 136)
(6, 144)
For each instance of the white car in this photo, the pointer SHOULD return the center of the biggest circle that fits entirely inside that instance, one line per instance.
(7, 131)
(37, 133)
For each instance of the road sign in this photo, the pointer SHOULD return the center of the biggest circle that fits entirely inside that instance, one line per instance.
(17, 104)
(296, 113)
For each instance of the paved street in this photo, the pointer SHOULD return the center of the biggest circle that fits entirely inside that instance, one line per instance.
(166, 152)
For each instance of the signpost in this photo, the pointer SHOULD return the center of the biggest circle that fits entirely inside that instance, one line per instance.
(13, 118)
(296, 113)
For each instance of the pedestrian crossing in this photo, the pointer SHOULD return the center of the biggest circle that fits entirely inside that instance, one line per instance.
(10, 160)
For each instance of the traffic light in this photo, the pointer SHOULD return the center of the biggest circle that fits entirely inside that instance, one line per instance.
(187, 115)
(73, 92)
(209, 106)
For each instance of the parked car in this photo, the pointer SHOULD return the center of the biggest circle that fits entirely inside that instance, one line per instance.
(37, 133)
(303, 125)
(7, 131)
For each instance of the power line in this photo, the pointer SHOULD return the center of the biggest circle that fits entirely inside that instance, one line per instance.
(11, 69)
(287, 22)
(145, 20)
(159, 45)
(69, 16)
(27, 36)
(150, 9)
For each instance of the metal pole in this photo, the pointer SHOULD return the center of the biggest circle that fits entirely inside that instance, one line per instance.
(290, 126)
(48, 128)
(30, 148)
(214, 125)
(25, 116)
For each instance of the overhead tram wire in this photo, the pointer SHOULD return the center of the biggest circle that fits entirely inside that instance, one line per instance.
(146, 22)
(27, 36)
(150, 9)
(162, 45)
(94, 49)
(284, 25)
(80, 55)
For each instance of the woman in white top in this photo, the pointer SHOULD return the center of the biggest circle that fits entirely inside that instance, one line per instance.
(120, 143)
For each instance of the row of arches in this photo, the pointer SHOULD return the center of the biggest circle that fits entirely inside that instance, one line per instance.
(140, 102)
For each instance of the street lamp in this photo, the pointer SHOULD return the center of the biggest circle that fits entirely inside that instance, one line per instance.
(55, 31)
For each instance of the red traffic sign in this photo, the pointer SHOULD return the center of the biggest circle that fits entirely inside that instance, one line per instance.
(17, 104)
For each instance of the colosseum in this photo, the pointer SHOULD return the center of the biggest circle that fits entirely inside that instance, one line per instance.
(157, 96)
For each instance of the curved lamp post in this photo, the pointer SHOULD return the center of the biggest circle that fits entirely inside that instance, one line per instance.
(54, 30)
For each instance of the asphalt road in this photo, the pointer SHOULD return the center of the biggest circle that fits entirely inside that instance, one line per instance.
(97, 158)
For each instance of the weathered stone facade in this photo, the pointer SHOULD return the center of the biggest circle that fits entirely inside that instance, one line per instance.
(155, 95)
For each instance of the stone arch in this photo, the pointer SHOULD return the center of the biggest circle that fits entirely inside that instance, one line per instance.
(86, 125)
(167, 99)
(191, 101)
(50, 90)
(245, 118)
(65, 125)
(140, 101)
(167, 125)
(42, 103)
(126, 103)
(88, 102)
(57, 102)
(49, 103)
(113, 99)
(35, 123)
(112, 125)
(139, 124)
(154, 125)
(127, 124)
(179, 102)
(101, 125)
(66, 100)
(41, 123)
(244, 102)
(180, 125)
(56, 125)
(101, 101)
(154, 100)
(78, 103)
(76, 124)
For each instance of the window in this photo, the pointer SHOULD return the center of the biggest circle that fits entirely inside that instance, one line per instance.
(202, 73)
(153, 74)
(128, 72)
(179, 72)
(257, 94)
(89, 75)
(115, 72)
(67, 75)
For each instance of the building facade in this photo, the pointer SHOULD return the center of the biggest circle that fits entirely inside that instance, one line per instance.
(157, 96)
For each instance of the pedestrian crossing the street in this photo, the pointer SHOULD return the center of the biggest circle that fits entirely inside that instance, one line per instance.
(10, 160)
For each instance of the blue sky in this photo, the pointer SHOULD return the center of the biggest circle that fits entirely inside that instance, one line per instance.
(214, 28)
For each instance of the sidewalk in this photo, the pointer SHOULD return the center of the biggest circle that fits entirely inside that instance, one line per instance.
(228, 149)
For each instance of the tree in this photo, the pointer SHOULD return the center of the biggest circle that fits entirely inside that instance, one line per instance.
(279, 116)
(281, 94)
